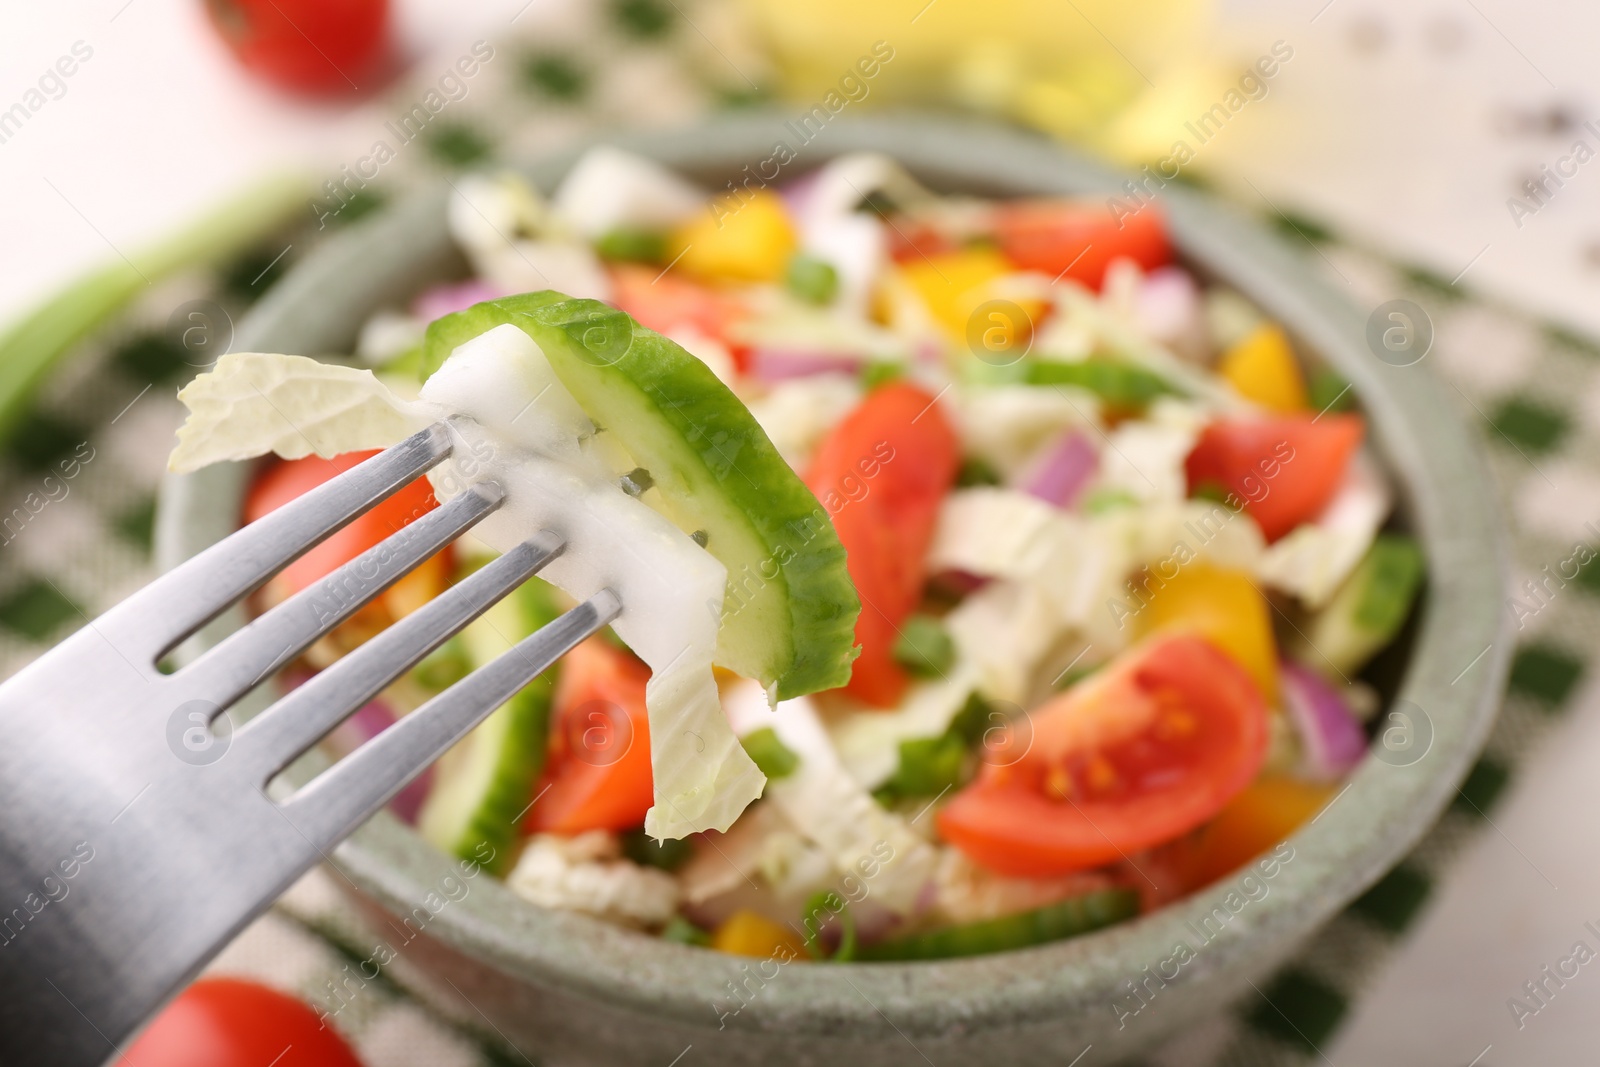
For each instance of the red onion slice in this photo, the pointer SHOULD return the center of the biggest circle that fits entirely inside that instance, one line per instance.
(781, 364)
(1330, 735)
(368, 722)
(1058, 476)
(442, 300)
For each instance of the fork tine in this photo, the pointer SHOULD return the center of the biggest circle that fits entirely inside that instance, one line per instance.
(339, 799)
(152, 621)
(241, 661)
(273, 739)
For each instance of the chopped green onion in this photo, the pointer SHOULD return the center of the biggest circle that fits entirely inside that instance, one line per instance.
(924, 647)
(876, 372)
(975, 470)
(646, 851)
(1118, 382)
(1330, 393)
(1067, 918)
(632, 245)
(771, 756)
(684, 932)
(928, 766)
(1108, 498)
(812, 280)
(812, 919)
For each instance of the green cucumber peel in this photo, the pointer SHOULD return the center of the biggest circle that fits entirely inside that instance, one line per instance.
(788, 619)
(484, 784)
(1053, 922)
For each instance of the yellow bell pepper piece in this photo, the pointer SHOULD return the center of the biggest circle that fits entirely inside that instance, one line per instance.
(951, 285)
(747, 933)
(1269, 810)
(1223, 606)
(1262, 368)
(751, 242)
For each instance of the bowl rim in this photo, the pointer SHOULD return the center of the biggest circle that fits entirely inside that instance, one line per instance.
(1383, 811)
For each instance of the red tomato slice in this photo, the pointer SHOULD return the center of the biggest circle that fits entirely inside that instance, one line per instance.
(597, 775)
(881, 475)
(1284, 469)
(229, 1022)
(1079, 239)
(1147, 750)
(284, 480)
(912, 239)
(664, 302)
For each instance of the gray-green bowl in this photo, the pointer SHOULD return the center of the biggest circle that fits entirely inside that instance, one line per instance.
(568, 989)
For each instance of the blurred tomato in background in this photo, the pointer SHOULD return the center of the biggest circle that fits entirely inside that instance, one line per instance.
(318, 47)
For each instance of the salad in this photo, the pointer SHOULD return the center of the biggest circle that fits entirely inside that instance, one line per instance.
(987, 577)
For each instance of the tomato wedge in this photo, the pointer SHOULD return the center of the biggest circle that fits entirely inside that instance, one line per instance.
(597, 774)
(1146, 750)
(1284, 470)
(665, 302)
(285, 479)
(1079, 240)
(881, 476)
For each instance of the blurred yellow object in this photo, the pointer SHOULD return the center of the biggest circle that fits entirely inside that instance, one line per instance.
(1261, 367)
(1267, 812)
(1223, 606)
(743, 242)
(952, 284)
(1070, 69)
(746, 933)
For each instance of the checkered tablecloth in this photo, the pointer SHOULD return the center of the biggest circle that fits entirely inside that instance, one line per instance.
(79, 479)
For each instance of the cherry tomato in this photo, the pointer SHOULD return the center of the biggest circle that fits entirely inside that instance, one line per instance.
(1284, 470)
(1077, 239)
(881, 475)
(1146, 750)
(664, 302)
(308, 46)
(230, 1022)
(911, 239)
(597, 775)
(284, 480)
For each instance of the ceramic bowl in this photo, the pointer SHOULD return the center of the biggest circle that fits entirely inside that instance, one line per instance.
(566, 989)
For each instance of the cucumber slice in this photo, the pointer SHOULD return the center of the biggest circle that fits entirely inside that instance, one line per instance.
(788, 619)
(484, 783)
(1067, 918)
(1368, 610)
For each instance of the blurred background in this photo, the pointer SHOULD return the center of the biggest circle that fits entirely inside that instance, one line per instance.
(154, 153)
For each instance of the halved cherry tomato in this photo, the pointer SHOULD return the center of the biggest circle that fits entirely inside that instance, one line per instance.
(230, 1022)
(664, 302)
(1078, 239)
(1284, 470)
(911, 238)
(314, 46)
(1136, 755)
(881, 474)
(285, 479)
(597, 774)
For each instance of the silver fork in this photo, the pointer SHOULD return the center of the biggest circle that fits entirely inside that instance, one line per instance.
(128, 856)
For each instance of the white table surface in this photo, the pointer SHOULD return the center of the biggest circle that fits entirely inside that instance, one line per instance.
(1407, 123)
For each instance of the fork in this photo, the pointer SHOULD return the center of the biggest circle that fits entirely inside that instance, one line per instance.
(135, 839)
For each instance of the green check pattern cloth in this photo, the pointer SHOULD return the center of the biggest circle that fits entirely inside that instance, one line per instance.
(78, 483)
